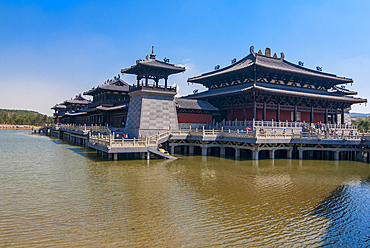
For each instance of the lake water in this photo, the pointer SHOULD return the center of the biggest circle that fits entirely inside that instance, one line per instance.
(53, 194)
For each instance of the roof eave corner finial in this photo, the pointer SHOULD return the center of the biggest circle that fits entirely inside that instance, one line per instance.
(251, 49)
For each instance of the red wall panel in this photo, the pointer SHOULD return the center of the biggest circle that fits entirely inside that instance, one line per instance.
(317, 117)
(270, 114)
(238, 114)
(259, 115)
(305, 117)
(249, 114)
(285, 115)
(194, 118)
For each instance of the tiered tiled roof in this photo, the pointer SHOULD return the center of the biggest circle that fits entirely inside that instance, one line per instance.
(116, 84)
(194, 104)
(277, 89)
(266, 62)
(77, 100)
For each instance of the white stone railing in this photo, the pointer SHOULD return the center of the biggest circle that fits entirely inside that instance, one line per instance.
(260, 133)
(85, 128)
(234, 124)
(274, 124)
(323, 136)
(341, 126)
(111, 141)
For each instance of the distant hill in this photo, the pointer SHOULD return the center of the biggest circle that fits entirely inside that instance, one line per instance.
(23, 117)
(361, 115)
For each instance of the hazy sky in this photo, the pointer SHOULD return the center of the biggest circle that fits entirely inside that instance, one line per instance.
(51, 51)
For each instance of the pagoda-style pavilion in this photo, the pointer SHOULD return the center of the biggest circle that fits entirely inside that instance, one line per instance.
(73, 111)
(153, 69)
(265, 87)
(110, 103)
(59, 111)
(152, 107)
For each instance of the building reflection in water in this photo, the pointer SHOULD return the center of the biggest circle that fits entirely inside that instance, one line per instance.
(347, 208)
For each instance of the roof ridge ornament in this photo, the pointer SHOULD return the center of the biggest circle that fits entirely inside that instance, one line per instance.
(251, 49)
(282, 56)
(152, 56)
(268, 52)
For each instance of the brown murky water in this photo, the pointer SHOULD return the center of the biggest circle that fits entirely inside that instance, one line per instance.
(53, 194)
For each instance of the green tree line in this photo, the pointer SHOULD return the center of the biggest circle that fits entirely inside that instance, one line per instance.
(23, 117)
(363, 124)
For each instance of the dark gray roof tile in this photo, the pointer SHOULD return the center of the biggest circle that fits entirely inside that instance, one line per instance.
(195, 104)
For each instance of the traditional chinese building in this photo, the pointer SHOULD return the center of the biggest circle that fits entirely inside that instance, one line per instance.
(59, 110)
(110, 103)
(265, 87)
(73, 111)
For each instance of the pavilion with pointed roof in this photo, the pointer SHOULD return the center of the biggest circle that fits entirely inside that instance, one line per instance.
(265, 87)
(154, 69)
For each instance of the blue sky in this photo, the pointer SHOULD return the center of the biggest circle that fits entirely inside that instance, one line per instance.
(51, 51)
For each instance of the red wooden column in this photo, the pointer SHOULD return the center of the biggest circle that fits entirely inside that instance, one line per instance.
(264, 112)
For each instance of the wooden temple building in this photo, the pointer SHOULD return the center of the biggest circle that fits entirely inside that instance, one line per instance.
(265, 87)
